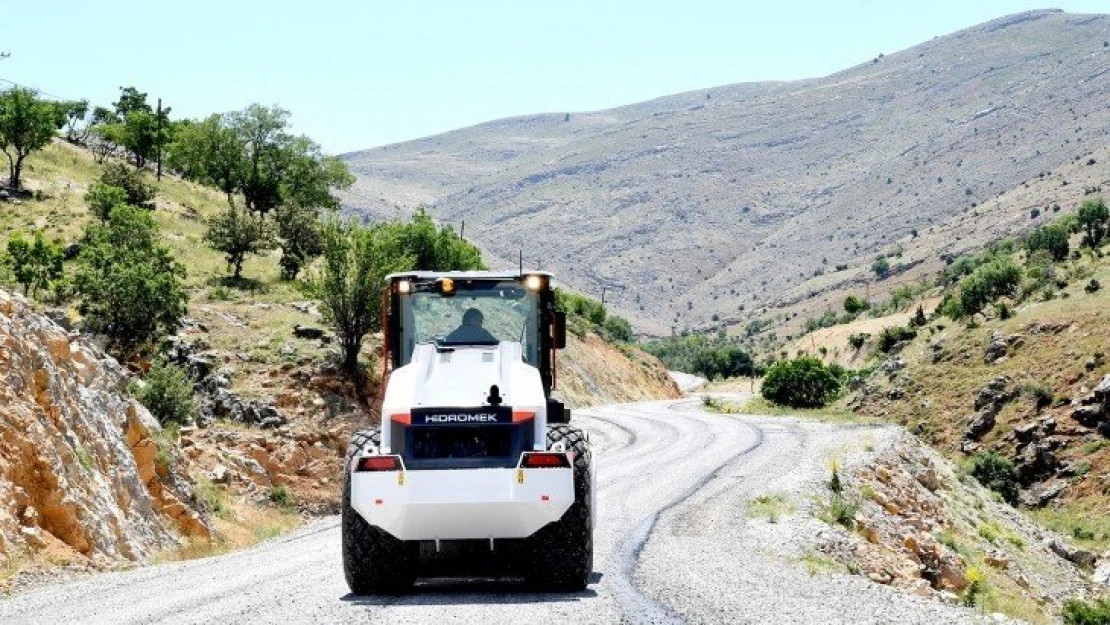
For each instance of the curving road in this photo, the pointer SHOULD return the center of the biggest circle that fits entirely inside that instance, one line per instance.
(673, 544)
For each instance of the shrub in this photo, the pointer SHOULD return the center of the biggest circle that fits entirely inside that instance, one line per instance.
(36, 264)
(1080, 612)
(618, 329)
(237, 234)
(988, 282)
(167, 393)
(801, 383)
(894, 335)
(1042, 395)
(130, 286)
(102, 198)
(1092, 286)
(281, 497)
(881, 267)
(854, 305)
(858, 339)
(123, 176)
(996, 473)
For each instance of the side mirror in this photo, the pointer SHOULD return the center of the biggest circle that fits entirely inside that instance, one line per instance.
(559, 330)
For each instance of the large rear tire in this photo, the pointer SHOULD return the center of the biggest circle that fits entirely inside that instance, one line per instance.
(561, 554)
(373, 561)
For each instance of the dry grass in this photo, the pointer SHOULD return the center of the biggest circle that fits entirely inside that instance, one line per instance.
(238, 525)
(834, 413)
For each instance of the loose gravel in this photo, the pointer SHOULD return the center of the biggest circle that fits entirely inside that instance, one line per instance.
(673, 543)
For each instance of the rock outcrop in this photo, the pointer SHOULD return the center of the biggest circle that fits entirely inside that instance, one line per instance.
(79, 465)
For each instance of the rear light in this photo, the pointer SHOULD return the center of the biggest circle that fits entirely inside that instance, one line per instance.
(545, 460)
(402, 417)
(378, 463)
(519, 416)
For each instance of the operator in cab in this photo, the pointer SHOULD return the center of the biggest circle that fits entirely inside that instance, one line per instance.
(471, 331)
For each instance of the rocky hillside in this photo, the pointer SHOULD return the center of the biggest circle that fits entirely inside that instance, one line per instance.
(80, 476)
(732, 200)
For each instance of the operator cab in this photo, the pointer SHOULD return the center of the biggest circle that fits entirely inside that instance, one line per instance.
(474, 309)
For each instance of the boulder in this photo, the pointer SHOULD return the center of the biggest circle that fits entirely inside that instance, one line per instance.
(1035, 462)
(1101, 574)
(980, 424)
(1079, 557)
(307, 332)
(1041, 494)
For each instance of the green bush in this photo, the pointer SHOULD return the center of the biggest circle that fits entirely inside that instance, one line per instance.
(987, 283)
(894, 335)
(281, 497)
(801, 383)
(102, 198)
(854, 305)
(167, 393)
(618, 329)
(712, 359)
(858, 339)
(131, 180)
(1094, 219)
(1080, 612)
(35, 264)
(996, 473)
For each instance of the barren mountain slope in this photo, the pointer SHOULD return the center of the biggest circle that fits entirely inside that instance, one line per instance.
(694, 204)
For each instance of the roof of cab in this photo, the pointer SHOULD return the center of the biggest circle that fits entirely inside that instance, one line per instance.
(466, 275)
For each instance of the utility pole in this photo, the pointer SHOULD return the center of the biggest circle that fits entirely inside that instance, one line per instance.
(462, 230)
(520, 262)
(158, 140)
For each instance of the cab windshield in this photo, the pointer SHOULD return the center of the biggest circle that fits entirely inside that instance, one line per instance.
(480, 313)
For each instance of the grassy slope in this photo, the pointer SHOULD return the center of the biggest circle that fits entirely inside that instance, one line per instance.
(939, 396)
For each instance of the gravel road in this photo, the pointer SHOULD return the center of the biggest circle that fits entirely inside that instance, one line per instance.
(674, 543)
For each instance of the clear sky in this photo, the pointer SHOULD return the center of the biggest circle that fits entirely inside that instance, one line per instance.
(361, 73)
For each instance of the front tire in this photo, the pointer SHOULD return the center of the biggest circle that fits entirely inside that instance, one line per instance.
(561, 554)
(373, 561)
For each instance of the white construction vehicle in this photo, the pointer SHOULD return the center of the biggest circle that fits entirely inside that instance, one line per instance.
(474, 471)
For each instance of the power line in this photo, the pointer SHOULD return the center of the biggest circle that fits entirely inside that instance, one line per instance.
(35, 89)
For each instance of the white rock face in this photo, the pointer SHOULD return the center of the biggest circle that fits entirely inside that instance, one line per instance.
(76, 457)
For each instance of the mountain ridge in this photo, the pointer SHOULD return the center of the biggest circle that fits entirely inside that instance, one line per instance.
(684, 208)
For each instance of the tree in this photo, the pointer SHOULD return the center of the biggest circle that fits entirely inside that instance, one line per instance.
(439, 250)
(137, 127)
(27, 124)
(208, 152)
(102, 198)
(992, 280)
(132, 181)
(36, 264)
(237, 234)
(356, 260)
(301, 240)
(261, 131)
(129, 285)
(801, 383)
(881, 267)
(1094, 218)
(1052, 238)
(75, 112)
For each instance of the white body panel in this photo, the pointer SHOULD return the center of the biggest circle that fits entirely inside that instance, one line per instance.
(453, 504)
(462, 504)
(461, 378)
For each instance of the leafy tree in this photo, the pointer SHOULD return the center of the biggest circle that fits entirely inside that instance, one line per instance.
(133, 183)
(356, 260)
(208, 152)
(129, 285)
(27, 124)
(854, 304)
(801, 383)
(995, 279)
(439, 250)
(919, 319)
(237, 234)
(137, 127)
(1052, 239)
(262, 132)
(301, 240)
(102, 198)
(75, 112)
(881, 267)
(36, 264)
(1094, 218)
(167, 392)
(618, 328)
